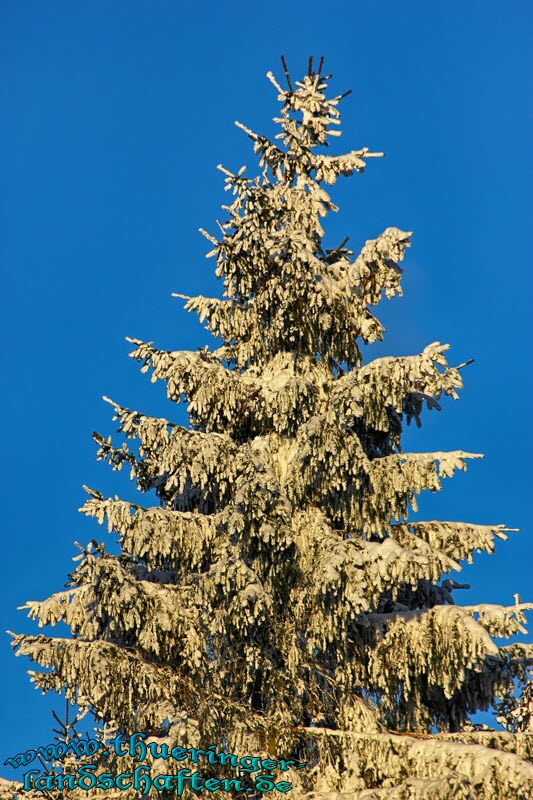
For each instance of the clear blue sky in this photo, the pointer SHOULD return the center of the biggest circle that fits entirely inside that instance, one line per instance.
(116, 115)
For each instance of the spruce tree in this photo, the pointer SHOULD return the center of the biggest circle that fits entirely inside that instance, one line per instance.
(276, 599)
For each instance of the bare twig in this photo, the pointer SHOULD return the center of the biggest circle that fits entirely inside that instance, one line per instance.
(286, 71)
(465, 363)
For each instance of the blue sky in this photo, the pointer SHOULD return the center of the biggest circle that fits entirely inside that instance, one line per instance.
(117, 115)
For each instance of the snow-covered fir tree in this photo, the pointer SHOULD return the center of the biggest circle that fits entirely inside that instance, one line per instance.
(275, 599)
